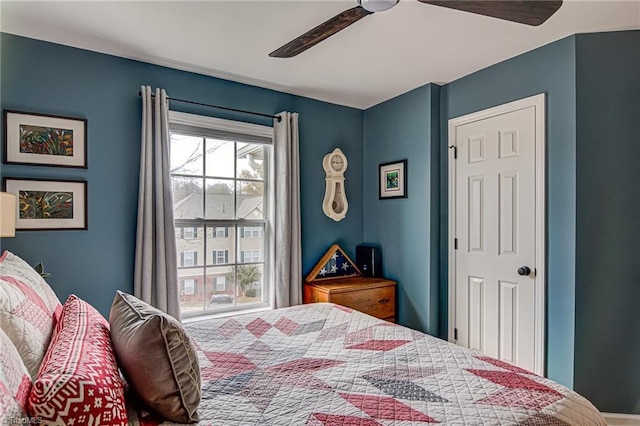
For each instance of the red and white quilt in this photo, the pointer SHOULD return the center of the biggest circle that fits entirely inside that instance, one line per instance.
(323, 364)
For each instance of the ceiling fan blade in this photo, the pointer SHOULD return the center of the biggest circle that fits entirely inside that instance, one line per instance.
(530, 12)
(321, 32)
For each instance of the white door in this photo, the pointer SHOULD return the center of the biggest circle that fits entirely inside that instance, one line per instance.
(497, 276)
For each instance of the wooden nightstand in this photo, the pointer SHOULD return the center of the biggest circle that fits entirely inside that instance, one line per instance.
(373, 296)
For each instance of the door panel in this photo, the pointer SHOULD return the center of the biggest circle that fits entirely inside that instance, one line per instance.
(508, 321)
(476, 312)
(508, 213)
(476, 213)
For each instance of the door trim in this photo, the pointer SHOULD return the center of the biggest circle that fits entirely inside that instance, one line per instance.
(538, 102)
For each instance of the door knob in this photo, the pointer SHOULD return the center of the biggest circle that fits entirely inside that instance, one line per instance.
(524, 270)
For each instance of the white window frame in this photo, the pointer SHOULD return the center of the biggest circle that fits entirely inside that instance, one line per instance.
(193, 258)
(250, 256)
(224, 253)
(221, 283)
(192, 285)
(252, 232)
(225, 232)
(189, 232)
(255, 134)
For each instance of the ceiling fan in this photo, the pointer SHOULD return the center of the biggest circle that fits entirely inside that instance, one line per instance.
(529, 12)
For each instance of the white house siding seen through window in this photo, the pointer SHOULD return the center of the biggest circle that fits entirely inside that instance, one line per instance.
(220, 193)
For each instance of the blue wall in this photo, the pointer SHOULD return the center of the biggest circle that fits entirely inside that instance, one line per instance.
(49, 78)
(607, 365)
(551, 70)
(407, 127)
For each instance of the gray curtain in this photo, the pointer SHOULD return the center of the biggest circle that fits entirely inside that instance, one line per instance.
(156, 277)
(286, 212)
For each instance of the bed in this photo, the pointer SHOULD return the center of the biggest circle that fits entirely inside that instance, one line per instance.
(319, 364)
(324, 364)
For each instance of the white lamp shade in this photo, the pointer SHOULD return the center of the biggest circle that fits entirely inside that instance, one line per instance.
(378, 5)
(7, 215)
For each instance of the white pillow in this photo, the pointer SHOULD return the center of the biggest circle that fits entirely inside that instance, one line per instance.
(15, 382)
(29, 310)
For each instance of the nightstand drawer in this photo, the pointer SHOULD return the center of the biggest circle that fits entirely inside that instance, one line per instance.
(378, 302)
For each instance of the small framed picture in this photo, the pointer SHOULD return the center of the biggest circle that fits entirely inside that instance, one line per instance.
(49, 204)
(44, 140)
(392, 180)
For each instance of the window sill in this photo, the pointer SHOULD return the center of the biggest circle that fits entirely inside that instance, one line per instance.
(225, 314)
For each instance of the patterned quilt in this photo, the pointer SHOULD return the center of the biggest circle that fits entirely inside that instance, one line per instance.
(324, 364)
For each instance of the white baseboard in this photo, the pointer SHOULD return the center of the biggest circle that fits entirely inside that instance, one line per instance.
(614, 419)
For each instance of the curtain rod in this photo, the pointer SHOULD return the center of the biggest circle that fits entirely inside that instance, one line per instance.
(218, 107)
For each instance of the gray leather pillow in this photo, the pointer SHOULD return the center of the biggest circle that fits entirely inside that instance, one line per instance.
(157, 358)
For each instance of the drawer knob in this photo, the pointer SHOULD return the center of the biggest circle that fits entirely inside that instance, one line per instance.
(383, 301)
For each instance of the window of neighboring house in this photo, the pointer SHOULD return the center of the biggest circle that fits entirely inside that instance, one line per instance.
(220, 182)
(221, 283)
(188, 286)
(221, 232)
(250, 256)
(252, 232)
(220, 257)
(190, 233)
(189, 258)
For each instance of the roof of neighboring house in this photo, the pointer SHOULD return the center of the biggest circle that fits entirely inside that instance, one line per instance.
(190, 207)
(248, 205)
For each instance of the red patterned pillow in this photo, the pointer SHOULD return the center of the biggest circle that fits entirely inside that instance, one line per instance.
(15, 382)
(29, 310)
(79, 382)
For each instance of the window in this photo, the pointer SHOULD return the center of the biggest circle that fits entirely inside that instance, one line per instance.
(221, 232)
(251, 232)
(188, 286)
(221, 283)
(220, 183)
(220, 257)
(190, 233)
(250, 256)
(189, 258)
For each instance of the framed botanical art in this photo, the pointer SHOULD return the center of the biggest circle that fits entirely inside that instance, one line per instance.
(44, 140)
(392, 180)
(49, 204)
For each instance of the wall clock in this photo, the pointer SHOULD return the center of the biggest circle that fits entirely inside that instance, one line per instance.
(335, 203)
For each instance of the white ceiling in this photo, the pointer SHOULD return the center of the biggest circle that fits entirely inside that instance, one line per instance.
(375, 59)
